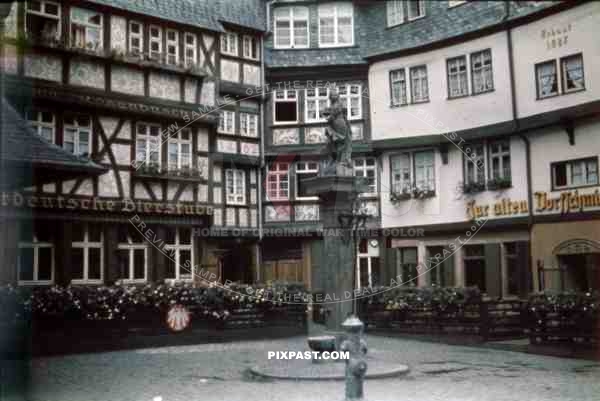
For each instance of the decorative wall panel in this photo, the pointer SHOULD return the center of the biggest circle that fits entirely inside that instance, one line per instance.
(203, 139)
(217, 195)
(191, 87)
(164, 86)
(231, 212)
(86, 73)
(250, 149)
(43, 66)
(276, 214)
(230, 70)
(251, 75)
(127, 80)
(118, 33)
(107, 185)
(121, 152)
(314, 135)
(217, 173)
(286, 136)
(306, 212)
(202, 193)
(217, 216)
(253, 218)
(226, 146)
(203, 166)
(207, 95)
(243, 217)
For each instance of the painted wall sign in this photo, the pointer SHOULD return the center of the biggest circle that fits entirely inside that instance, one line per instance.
(566, 202)
(505, 207)
(19, 200)
(556, 36)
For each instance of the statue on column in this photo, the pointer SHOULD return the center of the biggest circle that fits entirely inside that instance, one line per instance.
(339, 138)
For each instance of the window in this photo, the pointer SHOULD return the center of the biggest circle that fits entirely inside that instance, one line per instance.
(132, 255)
(317, 100)
(336, 25)
(454, 3)
(440, 269)
(78, 134)
(457, 77)
(291, 27)
(547, 82)
(401, 182)
(229, 43)
(352, 97)
(395, 12)
(180, 150)
(278, 182)
(147, 144)
(575, 173)
(305, 170)
(367, 263)
(419, 86)
(42, 20)
(42, 123)
(235, 186)
(474, 165)
(249, 124)
(499, 156)
(481, 72)
(251, 47)
(155, 43)
(190, 50)
(572, 73)
(366, 167)
(511, 259)
(136, 38)
(424, 171)
(226, 122)
(180, 256)
(474, 264)
(87, 258)
(86, 29)
(285, 106)
(420, 174)
(416, 9)
(398, 87)
(406, 266)
(35, 254)
(172, 47)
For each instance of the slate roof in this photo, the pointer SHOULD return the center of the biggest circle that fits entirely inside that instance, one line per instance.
(206, 14)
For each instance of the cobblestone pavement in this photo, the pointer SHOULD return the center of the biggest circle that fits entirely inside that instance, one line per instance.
(218, 372)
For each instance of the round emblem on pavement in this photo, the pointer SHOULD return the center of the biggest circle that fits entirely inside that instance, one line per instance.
(178, 318)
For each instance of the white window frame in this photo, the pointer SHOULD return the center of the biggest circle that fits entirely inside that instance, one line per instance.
(229, 43)
(177, 139)
(500, 156)
(421, 5)
(398, 77)
(232, 194)
(360, 165)
(319, 96)
(87, 25)
(294, 15)
(287, 98)
(171, 42)
(175, 249)
(302, 168)
(278, 174)
(86, 245)
(38, 125)
(456, 69)
(477, 165)
(336, 11)
(249, 125)
(155, 54)
(36, 246)
(564, 73)
(78, 129)
(131, 247)
(569, 164)
(430, 182)
(394, 12)
(420, 79)
(250, 44)
(372, 252)
(538, 78)
(402, 185)
(193, 60)
(347, 98)
(140, 36)
(483, 69)
(42, 13)
(151, 140)
(224, 126)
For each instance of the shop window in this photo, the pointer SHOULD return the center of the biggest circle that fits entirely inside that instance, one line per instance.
(136, 38)
(419, 85)
(229, 43)
(368, 263)
(251, 47)
(77, 137)
(35, 261)
(395, 12)
(249, 125)
(575, 173)
(180, 150)
(406, 266)
(572, 73)
(87, 258)
(190, 50)
(511, 261)
(172, 47)
(147, 145)
(178, 249)
(416, 9)
(457, 77)
(546, 79)
(474, 265)
(155, 42)
(291, 27)
(366, 167)
(481, 71)
(226, 122)
(278, 182)
(305, 170)
(336, 27)
(132, 255)
(42, 21)
(235, 186)
(440, 265)
(42, 123)
(285, 106)
(398, 87)
(86, 29)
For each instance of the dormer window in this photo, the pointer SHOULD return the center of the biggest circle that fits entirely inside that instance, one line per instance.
(43, 20)
(86, 29)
